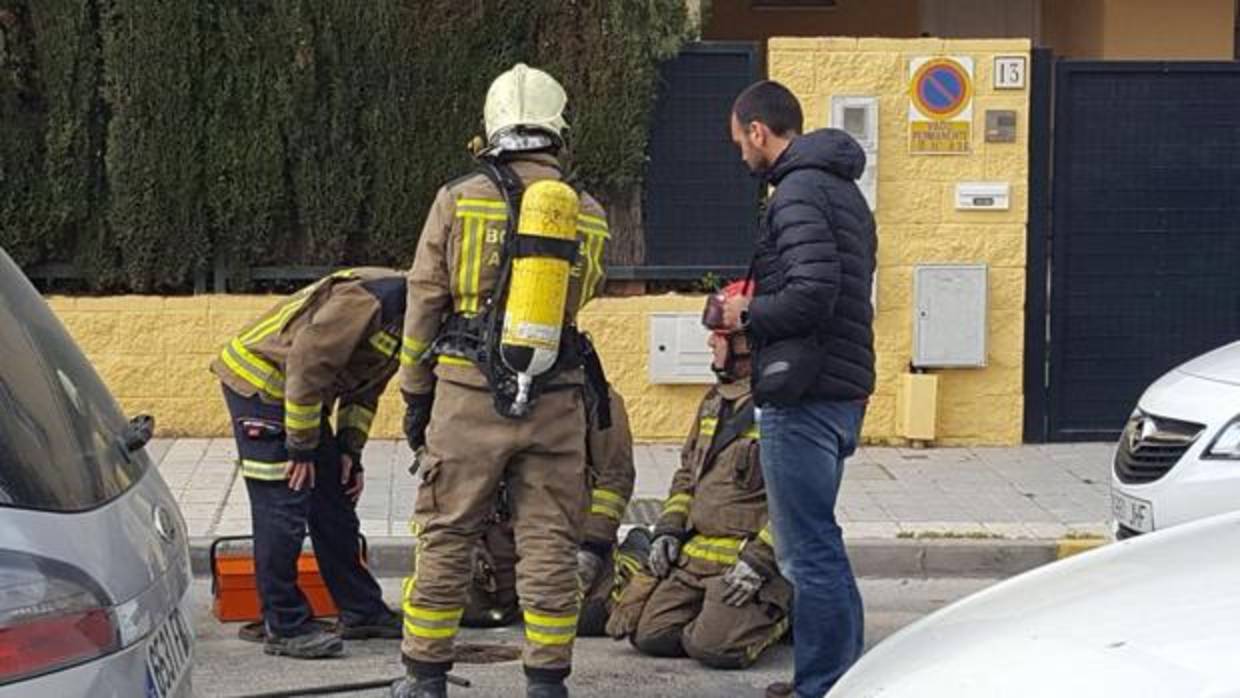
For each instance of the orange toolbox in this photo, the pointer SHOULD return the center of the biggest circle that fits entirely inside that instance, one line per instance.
(235, 589)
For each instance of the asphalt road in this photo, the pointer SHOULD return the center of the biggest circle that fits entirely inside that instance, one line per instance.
(229, 667)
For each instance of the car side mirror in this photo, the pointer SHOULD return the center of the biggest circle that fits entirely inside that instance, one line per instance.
(139, 432)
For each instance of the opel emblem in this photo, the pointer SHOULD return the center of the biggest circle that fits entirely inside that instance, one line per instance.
(1142, 430)
(165, 524)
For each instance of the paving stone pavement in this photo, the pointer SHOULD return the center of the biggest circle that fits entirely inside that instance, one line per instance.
(1043, 492)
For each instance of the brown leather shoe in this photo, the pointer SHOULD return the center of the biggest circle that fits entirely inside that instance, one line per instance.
(780, 689)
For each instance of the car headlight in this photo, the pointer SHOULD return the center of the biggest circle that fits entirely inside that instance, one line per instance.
(1227, 444)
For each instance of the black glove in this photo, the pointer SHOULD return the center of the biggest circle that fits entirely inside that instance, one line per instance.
(417, 416)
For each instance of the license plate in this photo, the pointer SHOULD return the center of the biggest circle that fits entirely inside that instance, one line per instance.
(1131, 512)
(168, 655)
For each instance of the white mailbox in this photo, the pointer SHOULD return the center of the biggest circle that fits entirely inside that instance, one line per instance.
(859, 117)
(949, 323)
(678, 351)
(985, 196)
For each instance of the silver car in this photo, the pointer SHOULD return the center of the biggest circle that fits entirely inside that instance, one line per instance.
(94, 561)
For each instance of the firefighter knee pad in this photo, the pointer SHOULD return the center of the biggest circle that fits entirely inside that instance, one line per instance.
(666, 643)
(714, 658)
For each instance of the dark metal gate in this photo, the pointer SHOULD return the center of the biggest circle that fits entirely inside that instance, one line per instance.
(1144, 244)
(701, 206)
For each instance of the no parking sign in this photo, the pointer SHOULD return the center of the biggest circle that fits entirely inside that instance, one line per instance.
(940, 108)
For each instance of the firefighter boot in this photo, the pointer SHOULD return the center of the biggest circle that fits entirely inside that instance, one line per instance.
(316, 644)
(386, 626)
(421, 687)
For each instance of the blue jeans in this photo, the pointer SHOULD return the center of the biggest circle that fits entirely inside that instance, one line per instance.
(803, 452)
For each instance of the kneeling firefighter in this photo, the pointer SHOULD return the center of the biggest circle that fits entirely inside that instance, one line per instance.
(493, 376)
(717, 595)
(603, 567)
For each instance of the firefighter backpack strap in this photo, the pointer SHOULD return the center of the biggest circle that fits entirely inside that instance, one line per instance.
(735, 426)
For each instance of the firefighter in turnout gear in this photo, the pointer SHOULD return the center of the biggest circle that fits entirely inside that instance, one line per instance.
(331, 347)
(719, 597)
(602, 567)
(493, 376)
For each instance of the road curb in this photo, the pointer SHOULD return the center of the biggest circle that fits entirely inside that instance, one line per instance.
(1067, 547)
(871, 557)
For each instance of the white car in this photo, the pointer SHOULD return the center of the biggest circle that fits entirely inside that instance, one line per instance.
(1152, 617)
(1179, 456)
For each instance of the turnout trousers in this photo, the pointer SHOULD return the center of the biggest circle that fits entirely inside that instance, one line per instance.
(470, 449)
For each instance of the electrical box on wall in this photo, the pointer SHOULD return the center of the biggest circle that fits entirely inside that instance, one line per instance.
(858, 116)
(949, 323)
(983, 196)
(678, 351)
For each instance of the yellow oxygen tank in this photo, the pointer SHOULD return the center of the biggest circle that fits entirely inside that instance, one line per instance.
(538, 286)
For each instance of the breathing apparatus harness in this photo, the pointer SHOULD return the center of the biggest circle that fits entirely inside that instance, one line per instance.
(478, 337)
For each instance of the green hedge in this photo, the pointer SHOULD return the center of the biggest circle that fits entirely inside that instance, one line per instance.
(145, 140)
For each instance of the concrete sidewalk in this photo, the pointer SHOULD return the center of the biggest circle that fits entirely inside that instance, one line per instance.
(981, 511)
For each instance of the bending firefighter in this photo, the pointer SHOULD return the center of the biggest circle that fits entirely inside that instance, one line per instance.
(602, 568)
(333, 346)
(493, 378)
(718, 597)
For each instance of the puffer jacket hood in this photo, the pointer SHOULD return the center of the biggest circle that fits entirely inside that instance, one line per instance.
(828, 149)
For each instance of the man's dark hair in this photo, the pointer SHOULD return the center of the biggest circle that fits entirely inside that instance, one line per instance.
(770, 103)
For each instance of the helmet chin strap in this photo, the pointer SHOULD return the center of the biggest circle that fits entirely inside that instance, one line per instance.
(728, 374)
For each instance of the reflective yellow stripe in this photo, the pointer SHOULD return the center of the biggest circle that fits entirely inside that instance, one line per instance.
(470, 263)
(277, 319)
(678, 504)
(433, 614)
(384, 343)
(593, 245)
(355, 417)
(752, 433)
(253, 369)
(430, 623)
(724, 550)
(707, 426)
(766, 537)
(481, 206)
(550, 630)
(462, 264)
(262, 470)
(412, 350)
(607, 503)
(450, 360)
(603, 510)
(594, 224)
(299, 416)
(475, 272)
(777, 632)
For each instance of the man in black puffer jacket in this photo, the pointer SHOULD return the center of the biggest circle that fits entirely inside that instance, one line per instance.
(812, 321)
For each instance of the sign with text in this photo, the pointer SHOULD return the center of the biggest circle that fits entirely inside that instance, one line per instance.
(940, 109)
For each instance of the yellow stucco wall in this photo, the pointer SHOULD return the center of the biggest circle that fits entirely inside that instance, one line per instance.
(153, 353)
(918, 222)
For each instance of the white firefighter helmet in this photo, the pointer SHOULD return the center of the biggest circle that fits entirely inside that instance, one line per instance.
(525, 97)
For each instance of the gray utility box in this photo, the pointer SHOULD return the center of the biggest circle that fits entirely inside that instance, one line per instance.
(678, 351)
(949, 316)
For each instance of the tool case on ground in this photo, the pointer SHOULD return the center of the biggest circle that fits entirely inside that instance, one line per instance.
(235, 589)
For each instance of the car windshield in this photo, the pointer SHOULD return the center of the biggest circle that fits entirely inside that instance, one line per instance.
(59, 426)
